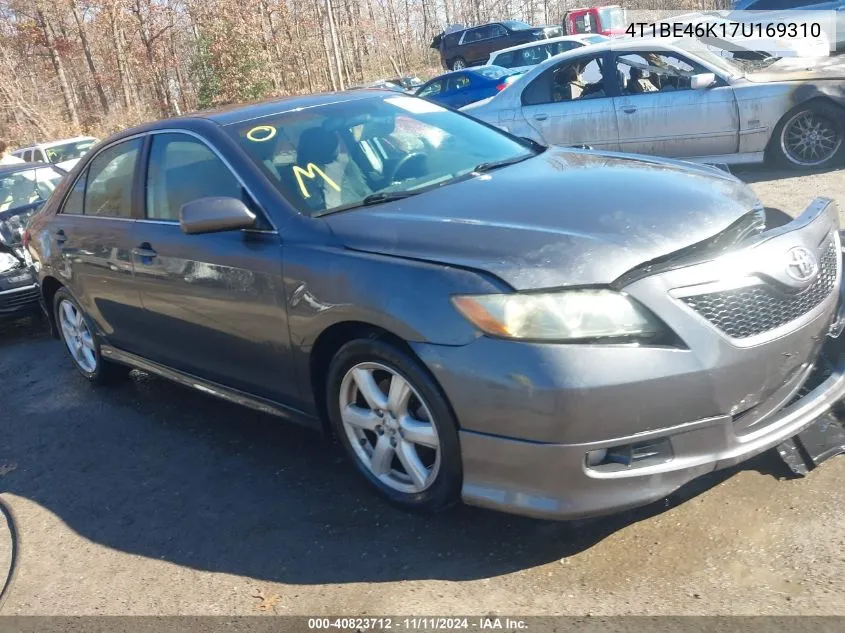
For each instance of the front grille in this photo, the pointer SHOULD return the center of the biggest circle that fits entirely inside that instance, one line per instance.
(745, 312)
(12, 301)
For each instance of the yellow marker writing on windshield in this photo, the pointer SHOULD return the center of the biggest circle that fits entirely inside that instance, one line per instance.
(261, 133)
(311, 171)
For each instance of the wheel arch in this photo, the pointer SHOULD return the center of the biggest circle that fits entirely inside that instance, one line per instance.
(801, 99)
(49, 287)
(326, 346)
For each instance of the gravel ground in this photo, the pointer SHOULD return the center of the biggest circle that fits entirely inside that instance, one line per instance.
(148, 498)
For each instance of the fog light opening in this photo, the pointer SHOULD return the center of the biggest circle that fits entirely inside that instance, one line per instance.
(627, 456)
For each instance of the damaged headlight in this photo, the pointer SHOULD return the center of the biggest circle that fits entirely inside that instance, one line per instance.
(12, 228)
(570, 315)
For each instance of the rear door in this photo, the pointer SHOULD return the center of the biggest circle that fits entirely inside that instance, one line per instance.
(214, 302)
(658, 113)
(92, 235)
(569, 105)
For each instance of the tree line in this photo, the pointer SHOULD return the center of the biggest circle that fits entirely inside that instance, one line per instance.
(96, 66)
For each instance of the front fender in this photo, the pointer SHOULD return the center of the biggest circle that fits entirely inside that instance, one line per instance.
(325, 286)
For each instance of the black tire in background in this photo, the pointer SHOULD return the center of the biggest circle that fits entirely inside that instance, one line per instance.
(459, 63)
(444, 491)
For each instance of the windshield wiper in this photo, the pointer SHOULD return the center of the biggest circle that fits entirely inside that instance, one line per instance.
(484, 167)
(386, 196)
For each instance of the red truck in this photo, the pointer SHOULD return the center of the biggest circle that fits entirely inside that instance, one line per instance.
(607, 20)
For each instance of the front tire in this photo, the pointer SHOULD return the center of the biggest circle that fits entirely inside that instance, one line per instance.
(459, 63)
(810, 136)
(78, 334)
(395, 424)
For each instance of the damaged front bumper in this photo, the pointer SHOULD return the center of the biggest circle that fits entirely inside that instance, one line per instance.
(825, 438)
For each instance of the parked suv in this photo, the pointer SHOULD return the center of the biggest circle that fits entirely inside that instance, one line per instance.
(472, 46)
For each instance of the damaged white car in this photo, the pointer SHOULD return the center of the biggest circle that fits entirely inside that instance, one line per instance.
(678, 99)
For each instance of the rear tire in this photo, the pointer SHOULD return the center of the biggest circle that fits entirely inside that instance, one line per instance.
(79, 336)
(395, 424)
(810, 136)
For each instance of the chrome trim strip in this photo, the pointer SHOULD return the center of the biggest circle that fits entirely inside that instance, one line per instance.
(21, 289)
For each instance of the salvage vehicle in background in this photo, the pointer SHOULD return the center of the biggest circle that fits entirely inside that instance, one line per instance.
(538, 330)
(790, 11)
(528, 55)
(23, 190)
(462, 87)
(64, 153)
(677, 99)
(462, 47)
(605, 20)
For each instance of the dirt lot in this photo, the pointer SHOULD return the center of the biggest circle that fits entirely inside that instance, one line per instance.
(151, 499)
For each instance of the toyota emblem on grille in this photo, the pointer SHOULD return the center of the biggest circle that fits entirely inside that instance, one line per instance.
(801, 264)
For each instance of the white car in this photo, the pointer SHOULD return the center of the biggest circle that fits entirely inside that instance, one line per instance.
(677, 99)
(64, 153)
(526, 56)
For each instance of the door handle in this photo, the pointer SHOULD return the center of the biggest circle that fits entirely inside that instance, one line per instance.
(541, 116)
(144, 251)
(61, 238)
(629, 109)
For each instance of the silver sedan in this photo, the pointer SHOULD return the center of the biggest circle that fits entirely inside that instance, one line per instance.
(678, 99)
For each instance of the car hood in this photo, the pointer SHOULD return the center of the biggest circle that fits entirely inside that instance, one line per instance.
(559, 219)
(67, 165)
(800, 69)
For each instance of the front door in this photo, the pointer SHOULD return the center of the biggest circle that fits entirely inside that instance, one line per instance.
(569, 105)
(658, 113)
(215, 302)
(92, 232)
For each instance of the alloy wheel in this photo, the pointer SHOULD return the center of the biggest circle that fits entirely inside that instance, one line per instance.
(809, 139)
(458, 64)
(77, 336)
(390, 427)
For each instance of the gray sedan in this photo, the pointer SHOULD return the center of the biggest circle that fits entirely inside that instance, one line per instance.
(542, 331)
(679, 100)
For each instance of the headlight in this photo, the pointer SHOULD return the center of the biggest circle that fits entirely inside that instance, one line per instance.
(12, 228)
(567, 315)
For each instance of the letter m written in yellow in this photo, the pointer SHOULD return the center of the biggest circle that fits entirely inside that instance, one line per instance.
(311, 171)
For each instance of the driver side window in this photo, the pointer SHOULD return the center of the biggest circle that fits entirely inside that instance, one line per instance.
(572, 80)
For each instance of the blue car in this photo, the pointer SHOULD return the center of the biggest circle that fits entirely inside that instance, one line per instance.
(461, 87)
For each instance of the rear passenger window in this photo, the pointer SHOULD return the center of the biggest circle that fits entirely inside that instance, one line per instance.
(110, 176)
(183, 169)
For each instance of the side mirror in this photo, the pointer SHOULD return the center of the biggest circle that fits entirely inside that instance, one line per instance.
(214, 215)
(702, 81)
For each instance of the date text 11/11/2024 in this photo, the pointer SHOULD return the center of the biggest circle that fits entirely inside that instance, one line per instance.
(481, 623)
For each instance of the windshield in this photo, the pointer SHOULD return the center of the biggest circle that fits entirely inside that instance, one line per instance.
(612, 19)
(69, 151)
(337, 156)
(698, 48)
(516, 25)
(24, 188)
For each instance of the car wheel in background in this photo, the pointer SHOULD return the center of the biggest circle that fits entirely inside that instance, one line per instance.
(393, 421)
(810, 136)
(459, 63)
(77, 332)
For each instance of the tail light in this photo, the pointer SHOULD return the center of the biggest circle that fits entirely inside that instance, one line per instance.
(501, 86)
(25, 238)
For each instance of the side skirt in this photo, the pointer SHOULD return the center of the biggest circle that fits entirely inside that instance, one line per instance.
(206, 386)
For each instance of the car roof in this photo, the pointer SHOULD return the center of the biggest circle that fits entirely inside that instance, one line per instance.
(578, 37)
(13, 167)
(228, 115)
(50, 144)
